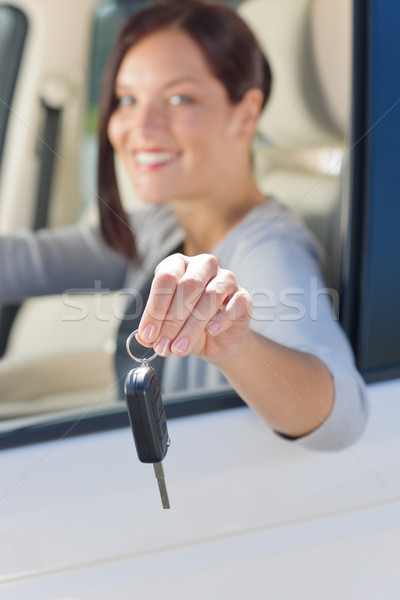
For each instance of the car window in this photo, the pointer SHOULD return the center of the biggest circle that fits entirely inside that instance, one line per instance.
(298, 155)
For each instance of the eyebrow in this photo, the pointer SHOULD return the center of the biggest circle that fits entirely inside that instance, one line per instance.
(172, 83)
(184, 79)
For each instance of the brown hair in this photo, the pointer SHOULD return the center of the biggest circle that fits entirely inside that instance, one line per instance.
(233, 56)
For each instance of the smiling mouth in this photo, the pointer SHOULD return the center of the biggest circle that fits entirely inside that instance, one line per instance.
(153, 159)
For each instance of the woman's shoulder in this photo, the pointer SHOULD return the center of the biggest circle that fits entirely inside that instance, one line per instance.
(269, 229)
(275, 220)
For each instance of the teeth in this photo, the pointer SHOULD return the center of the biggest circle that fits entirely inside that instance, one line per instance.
(153, 158)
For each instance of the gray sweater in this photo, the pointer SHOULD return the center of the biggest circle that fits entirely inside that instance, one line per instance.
(273, 257)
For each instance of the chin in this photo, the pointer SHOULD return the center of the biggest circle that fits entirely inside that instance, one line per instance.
(152, 197)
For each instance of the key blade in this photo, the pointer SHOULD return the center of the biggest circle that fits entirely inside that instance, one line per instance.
(159, 472)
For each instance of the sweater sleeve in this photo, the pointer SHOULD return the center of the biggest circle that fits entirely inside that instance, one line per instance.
(279, 264)
(53, 261)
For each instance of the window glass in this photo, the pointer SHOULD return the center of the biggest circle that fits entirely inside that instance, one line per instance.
(13, 27)
(305, 176)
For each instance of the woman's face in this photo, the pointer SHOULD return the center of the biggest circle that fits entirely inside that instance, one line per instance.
(174, 127)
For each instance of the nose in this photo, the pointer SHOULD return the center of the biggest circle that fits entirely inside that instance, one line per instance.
(148, 117)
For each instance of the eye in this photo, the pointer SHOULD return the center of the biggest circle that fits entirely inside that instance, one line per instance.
(178, 99)
(126, 100)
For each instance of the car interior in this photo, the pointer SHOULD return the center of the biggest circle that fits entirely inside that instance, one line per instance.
(59, 358)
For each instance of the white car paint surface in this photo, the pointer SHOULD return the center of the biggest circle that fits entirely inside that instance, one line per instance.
(252, 516)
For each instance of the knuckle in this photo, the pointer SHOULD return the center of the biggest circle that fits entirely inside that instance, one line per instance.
(243, 303)
(166, 280)
(191, 285)
(155, 312)
(216, 292)
(175, 263)
(230, 279)
(211, 262)
(243, 297)
(206, 262)
(249, 299)
(226, 274)
(224, 284)
(175, 326)
(170, 329)
(155, 309)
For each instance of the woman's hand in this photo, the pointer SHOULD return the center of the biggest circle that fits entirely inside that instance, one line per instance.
(195, 307)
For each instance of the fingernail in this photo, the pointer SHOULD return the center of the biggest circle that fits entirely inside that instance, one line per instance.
(213, 327)
(182, 345)
(149, 333)
(162, 347)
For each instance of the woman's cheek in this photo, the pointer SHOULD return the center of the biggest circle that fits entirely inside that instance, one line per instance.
(115, 130)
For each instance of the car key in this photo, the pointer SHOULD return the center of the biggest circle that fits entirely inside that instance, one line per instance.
(147, 418)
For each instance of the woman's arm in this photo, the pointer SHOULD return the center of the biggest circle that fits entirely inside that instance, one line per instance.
(52, 261)
(291, 390)
(197, 307)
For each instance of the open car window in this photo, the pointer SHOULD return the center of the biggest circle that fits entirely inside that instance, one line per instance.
(59, 379)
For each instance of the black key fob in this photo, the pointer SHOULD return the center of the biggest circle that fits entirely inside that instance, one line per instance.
(146, 414)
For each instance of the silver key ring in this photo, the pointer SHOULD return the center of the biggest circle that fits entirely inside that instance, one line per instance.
(135, 358)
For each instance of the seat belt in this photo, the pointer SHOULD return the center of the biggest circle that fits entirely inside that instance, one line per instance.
(48, 153)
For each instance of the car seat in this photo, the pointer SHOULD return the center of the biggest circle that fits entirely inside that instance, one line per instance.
(302, 143)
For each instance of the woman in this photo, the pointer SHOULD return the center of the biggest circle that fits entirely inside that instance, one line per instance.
(181, 97)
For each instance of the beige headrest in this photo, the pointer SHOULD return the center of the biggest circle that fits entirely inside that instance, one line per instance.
(331, 33)
(308, 45)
